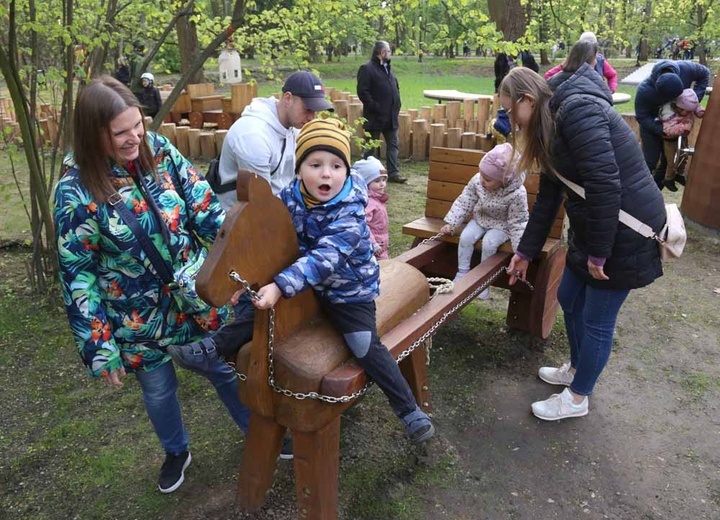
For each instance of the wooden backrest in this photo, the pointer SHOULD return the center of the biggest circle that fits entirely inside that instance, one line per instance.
(450, 171)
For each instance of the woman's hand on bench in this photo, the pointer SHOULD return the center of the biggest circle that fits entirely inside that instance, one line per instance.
(517, 269)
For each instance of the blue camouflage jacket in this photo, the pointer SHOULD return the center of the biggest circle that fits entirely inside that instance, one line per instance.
(336, 259)
(119, 311)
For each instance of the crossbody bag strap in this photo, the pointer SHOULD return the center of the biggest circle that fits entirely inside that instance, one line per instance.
(282, 155)
(626, 218)
(161, 267)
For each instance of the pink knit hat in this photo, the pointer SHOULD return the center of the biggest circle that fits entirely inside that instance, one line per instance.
(687, 100)
(498, 164)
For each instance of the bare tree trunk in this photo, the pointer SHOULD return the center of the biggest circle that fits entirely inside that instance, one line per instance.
(188, 43)
(96, 60)
(643, 50)
(700, 43)
(509, 18)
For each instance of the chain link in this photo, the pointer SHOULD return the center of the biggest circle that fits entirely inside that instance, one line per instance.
(441, 285)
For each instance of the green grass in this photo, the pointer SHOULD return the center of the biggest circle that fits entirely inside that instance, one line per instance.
(474, 75)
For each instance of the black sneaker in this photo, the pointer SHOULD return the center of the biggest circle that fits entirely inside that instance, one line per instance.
(286, 452)
(680, 179)
(172, 474)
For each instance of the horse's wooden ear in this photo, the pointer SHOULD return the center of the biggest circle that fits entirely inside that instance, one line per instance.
(251, 188)
(243, 183)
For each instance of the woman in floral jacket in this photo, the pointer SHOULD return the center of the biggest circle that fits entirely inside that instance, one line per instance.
(121, 314)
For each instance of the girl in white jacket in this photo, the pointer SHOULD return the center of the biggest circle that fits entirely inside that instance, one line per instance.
(497, 201)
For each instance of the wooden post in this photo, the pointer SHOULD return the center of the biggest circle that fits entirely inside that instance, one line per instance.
(207, 145)
(439, 112)
(483, 113)
(467, 140)
(147, 120)
(632, 122)
(452, 112)
(453, 137)
(194, 140)
(341, 108)
(241, 95)
(419, 141)
(425, 113)
(413, 113)
(219, 139)
(355, 111)
(495, 105)
(437, 135)
(182, 139)
(404, 135)
(469, 109)
(168, 130)
(702, 191)
(485, 142)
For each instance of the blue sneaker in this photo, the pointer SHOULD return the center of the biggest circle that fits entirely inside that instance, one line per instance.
(418, 426)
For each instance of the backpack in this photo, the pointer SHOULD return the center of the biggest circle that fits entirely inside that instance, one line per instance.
(213, 174)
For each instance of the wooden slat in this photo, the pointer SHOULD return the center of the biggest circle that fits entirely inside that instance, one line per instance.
(451, 172)
(437, 208)
(457, 156)
(441, 190)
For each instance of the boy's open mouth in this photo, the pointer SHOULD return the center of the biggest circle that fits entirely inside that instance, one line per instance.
(324, 189)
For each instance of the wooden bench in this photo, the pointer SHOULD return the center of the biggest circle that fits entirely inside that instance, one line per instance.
(450, 171)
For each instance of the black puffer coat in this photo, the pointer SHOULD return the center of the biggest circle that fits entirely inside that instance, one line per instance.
(379, 92)
(595, 148)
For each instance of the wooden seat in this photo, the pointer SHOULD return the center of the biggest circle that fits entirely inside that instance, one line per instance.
(450, 171)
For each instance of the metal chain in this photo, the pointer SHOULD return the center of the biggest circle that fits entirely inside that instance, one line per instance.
(405, 353)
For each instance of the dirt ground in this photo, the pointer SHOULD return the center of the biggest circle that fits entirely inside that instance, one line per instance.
(647, 450)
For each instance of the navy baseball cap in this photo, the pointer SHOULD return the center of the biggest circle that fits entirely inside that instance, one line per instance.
(309, 88)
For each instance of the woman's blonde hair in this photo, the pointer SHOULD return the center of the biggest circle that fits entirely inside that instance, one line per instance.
(536, 138)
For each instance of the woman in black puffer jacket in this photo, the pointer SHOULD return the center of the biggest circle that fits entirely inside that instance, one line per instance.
(574, 130)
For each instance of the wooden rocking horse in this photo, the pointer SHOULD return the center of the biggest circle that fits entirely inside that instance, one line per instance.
(301, 355)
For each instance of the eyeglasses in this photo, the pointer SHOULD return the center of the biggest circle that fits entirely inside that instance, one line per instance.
(509, 110)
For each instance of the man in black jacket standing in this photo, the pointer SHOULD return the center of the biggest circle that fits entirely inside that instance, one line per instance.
(379, 91)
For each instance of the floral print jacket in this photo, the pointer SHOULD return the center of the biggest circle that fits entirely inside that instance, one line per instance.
(120, 313)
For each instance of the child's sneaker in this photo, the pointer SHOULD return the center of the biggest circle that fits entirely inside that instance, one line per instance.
(418, 426)
(560, 406)
(286, 452)
(557, 376)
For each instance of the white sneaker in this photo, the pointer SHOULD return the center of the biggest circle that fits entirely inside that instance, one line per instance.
(485, 295)
(557, 376)
(560, 406)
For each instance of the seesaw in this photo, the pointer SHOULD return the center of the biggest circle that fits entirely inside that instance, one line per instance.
(297, 373)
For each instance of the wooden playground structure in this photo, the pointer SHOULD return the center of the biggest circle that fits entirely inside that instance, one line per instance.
(297, 373)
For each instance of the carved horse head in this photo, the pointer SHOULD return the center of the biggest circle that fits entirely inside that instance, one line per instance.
(257, 240)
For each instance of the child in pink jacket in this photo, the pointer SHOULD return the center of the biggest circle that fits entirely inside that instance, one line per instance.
(375, 176)
(677, 119)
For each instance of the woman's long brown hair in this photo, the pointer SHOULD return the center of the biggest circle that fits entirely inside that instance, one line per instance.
(98, 103)
(536, 138)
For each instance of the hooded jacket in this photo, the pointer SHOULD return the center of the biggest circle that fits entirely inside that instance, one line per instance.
(505, 209)
(378, 221)
(120, 313)
(594, 147)
(255, 142)
(336, 257)
(379, 91)
(648, 100)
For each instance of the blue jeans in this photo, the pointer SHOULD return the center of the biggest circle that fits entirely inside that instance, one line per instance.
(590, 316)
(159, 391)
(223, 378)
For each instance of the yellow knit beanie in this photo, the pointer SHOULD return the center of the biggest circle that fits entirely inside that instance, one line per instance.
(323, 134)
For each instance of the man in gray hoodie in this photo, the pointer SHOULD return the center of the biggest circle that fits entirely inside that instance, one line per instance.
(263, 139)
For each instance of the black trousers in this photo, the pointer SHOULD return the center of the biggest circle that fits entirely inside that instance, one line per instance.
(356, 322)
